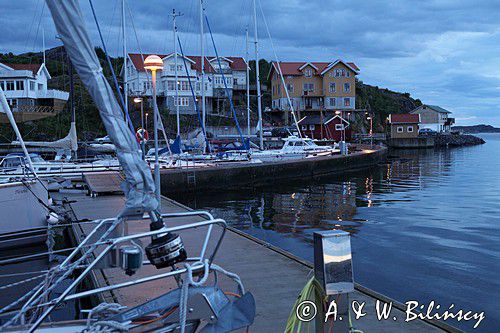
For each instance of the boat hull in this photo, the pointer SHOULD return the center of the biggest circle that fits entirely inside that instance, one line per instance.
(23, 214)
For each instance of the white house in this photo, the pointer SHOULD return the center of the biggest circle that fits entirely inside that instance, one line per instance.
(434, 117)
(233, 68)
(25, 87)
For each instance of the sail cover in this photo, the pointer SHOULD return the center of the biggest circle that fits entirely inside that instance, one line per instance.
(138, 186)
(69, 142)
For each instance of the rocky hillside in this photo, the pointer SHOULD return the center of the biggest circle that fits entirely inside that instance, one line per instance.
(382, 102)
(477, 129)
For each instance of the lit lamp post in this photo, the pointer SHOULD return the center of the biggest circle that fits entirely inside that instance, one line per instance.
(370, 118)
(343, 147)
(138, 100)
(154, 63)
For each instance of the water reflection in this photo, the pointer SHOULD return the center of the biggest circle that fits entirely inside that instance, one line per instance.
(425, 226)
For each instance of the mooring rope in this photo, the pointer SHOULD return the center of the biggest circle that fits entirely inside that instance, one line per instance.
(102, 311)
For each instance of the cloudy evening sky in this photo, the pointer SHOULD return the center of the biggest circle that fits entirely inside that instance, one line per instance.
(445, 52)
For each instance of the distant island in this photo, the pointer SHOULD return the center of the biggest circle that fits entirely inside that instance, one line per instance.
(476, 129)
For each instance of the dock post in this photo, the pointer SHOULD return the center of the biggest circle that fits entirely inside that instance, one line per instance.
(333, 270)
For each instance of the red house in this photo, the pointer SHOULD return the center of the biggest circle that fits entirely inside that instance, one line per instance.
(332, 127)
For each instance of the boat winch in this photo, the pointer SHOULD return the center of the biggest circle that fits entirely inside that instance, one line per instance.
(165, 250)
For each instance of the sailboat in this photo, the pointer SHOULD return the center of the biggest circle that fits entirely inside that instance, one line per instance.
(23, 202)
(218, 313)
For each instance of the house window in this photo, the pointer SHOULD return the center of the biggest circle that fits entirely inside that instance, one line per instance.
(332, 101)
(339, 72)
(308, 86)
(172, 68)
(235, 81)
(308, 72)
(182, 101)
(171, 85)
(147, 85)
(184, 85)
(289, 87)
(312, 127)
(40, 86)
(332, 88)
(409, 129)
(19, 85)
(12, 103)
(347, 102)
(347, 87)
(400, 129)
(2, 85)
(180, 68)
(339, 127)
(304, 127)
(10, 85)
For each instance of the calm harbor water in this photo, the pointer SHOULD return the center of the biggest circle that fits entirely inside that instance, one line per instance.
(424, 227)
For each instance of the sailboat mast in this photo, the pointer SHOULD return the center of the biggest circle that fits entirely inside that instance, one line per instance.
(125, 73)
(43, 45)
(202, 47)
(174, 15)
(257, 74)
(248, 83)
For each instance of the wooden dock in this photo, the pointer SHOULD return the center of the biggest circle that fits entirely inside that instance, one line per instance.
(274, 277)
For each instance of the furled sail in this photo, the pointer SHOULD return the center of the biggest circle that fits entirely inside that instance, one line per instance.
(138, 186)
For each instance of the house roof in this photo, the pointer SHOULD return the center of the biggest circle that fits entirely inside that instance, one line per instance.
(437, 108)
(34, 68)
(405, 118)
(316, 120)
(235, 63)
(295, 68)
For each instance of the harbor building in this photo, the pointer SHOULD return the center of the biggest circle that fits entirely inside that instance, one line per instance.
(331, 127)
(313, 87)
(434, 117)
(216, 102)
(403, 126)
(27, 93)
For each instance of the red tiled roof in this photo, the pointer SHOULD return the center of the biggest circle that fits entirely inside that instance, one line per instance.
(292, 68)
(237, 64)
(26, 67)
(404, 118)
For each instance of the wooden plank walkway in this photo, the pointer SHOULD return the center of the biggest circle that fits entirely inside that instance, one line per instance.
(274, 279)
(103, 182)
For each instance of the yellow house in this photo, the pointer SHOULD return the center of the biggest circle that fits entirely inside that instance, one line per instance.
(314, 86)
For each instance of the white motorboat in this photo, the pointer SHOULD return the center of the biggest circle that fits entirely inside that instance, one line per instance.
(295, 148)
(14, 166)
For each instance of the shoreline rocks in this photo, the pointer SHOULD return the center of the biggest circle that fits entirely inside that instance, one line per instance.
(453, 140)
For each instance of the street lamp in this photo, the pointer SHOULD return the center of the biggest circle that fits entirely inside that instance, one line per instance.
(343, 149)
(154, 63)
(370, 118)
(138, 100)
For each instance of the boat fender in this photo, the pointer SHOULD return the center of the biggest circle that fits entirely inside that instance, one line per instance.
(52, 218)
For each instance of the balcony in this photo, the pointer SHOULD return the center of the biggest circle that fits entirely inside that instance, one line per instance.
(449, 121)
(315, 93)
(53, 94)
